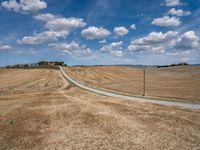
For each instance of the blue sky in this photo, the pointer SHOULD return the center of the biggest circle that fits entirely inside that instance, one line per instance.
(94, 32)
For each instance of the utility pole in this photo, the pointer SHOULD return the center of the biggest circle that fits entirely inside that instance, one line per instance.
(85, 76)
(144, 84)
(81, 77)
(99, 79)
(77, 75)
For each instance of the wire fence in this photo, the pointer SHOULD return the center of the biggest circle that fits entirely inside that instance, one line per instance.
(175, 82)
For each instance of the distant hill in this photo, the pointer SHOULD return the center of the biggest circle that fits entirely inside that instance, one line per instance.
(195, 64)
(139, 66)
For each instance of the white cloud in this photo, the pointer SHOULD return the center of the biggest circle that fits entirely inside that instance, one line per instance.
(24, 5)
(172, 3)
(155, 42)
(65, 23)
(120, 31)
(114, 49)
(95, 33)
(158, 42)
(157, 49)
(102, 41)
(19, 52)
(133, 27)
(32, 5)
(188, 41)
(178, 53)
(167, 21)
(33, 52)
(4, 47)
(73, 48)
(45, 17)
(148, 48)
(155, 37)
(184, 56)
(186, 59)
(178, 12)
(58, 27)
(43, 37)
(58, 23)
(11, 5)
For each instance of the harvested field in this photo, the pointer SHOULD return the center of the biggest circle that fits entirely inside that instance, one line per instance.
(40, 111)
(34, 79)
(180, 83)
(110, 78)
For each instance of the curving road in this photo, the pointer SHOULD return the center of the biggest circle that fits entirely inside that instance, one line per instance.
(144, 100)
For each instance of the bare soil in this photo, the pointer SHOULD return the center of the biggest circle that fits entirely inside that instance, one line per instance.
(38, 110)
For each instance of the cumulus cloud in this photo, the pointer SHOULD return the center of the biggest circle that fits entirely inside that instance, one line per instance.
(102, 41)
(95, 33)
(154, 42)
(65, 23)
(167, 21)
(58, 23)
(72, 48)
(45, 17)
(158, 42)
(188, 41)
(4, 47)
(133, 27)
(178, 53)
(121, 31)
(172, 3)
(58, 27)
(155, 37)
(157, 49)
(178, 12)
(24, 6)
(114, 49)
(43, 37)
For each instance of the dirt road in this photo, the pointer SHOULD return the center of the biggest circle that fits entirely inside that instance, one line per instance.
(38, 111)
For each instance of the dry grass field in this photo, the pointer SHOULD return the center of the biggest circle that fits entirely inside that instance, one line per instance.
(182, 83)
(38, 110)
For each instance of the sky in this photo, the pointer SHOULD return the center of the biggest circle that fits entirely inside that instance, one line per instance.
(100, 32)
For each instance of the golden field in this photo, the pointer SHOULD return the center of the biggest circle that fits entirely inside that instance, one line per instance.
(175, 83)
(39, 110)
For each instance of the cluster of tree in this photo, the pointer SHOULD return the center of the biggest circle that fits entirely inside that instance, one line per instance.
(55, 63)
(39, 64)
(173, 65)
(17, 66)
